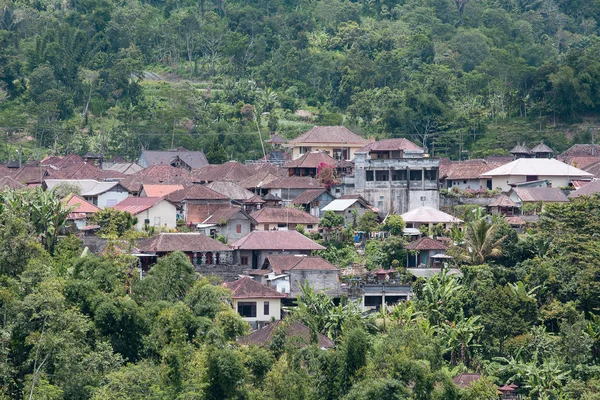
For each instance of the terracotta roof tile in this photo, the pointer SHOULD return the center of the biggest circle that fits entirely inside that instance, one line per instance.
(400, 144)
(276, 240)
(225, 214)
(426, 243)
(11, 183)
(195, 192)
(469, 169)
(502, 201)
(232, 171)
(297, 335)
(547, 195)
(311, 160)
(186, 242)
(329, 134)
(233, 191)
(308, 196)
(269, 215)
(248, 288)
(579, 150)
(590, 189)
(156, 175)
(80, 204)
(160, 190)
(287, 262)
(135, 205)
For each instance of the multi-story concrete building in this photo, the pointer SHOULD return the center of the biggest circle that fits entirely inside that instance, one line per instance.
(396, 176)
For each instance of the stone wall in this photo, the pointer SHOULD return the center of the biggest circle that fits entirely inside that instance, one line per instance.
(327, 281)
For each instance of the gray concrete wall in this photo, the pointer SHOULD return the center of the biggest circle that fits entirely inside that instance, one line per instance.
(327, 281)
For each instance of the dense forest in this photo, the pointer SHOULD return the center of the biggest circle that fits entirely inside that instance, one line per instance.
(465, 78)
(79, 326)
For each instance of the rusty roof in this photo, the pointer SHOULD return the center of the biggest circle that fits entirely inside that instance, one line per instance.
(80, 204)
(285, 215)
(581, 150)
(294, 182)
(399, 144)
(233, 191)
(468, 169)
(230, 171)
(590, 189)
(329, 134)
(227, 213)
(248, 288)
(308, 196)
(276, 240)
(297, 335)
(156, 175)
(286, 262)
(186, 242)
(426, 243)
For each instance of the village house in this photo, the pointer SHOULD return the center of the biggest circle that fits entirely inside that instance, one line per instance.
(150, 212)
(287, 273)
(253, 249)
(522, 196)
(462, 175)
(232, 222)
(395, 175)
(230, 171)
(313, 201)
(10, 183)
(81, 212)
(100, 194)
(284, 218)
(590, 189)
(256, 303)
(206, 254)
(556, 172)
(249, 200)
(309, 164)
(178, 158)
(337, 141)
(296, 334)
(290, 188)
(503, 205)
(156, 175)
(196, 203)
(427, 216)
(426, 252)
(159, 190)
(348, 207)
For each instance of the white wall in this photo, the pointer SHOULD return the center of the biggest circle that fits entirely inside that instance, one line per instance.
(104, 199)
(274, 309)
(161, 214)
(503, 182)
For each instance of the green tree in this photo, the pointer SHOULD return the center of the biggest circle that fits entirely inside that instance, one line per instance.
(113, 222)
(169, 279)
(368, 222)
(394, 224)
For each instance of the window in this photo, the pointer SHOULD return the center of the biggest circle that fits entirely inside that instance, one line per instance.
(416, 175)
(309, 226)
(281, 225)
(266, 308)
(266, 227)
(244, 260)
(146, 221)
(238, 228)
(247, 309)
(209, 258)
(369, 176)
(423, 198)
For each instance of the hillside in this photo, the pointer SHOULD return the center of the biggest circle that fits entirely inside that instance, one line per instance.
(463, 78)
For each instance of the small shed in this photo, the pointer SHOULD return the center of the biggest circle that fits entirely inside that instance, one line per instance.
(425, 252)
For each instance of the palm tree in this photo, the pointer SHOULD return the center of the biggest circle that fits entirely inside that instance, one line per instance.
(460, 337)
(481, 240)
(437, 293)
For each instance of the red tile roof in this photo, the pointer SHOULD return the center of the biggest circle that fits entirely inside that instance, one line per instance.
(469, 169)
(233, 191)
(269, 215)
(80, 204)
(311, 160)
(11, 183)
(160, 190)
(309, 196)
(156, 175)
(230, 171)
(276, 240)
(227, 213)
(591, 189)
(248, 288)
(287, 262)
(329, 134)
(186, 242)
(503, 201)
(297, 335)
(426, 243)
(195, 192)
(294, 182)
(400, 144)
(135, 205)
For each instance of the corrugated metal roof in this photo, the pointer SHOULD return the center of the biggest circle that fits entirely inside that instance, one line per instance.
(429, 215)
(543, 194)
(339, 205)
(537, 167)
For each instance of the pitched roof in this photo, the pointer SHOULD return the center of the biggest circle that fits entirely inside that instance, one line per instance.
(230, 171)
(399, 144)
(225, 214)
(248, 288)
(429, 215)
(233, 191)
(80, 204)
(502, 201)
(169, 242)
(590, 189)
(11, 183)
(87, 187)
(275, 139)
(283, 215)
(537, 166)
(426, 243)
(294, 182)
(125, 168)
(195, 159)
(578, 150)
(464, 381)
(308, 196)
(156, 175)
(329, 134)
(258, 180)
(549, 195)
(297, 334)
(343, 204)
(135, 205)
(542, 148)
(276, 240)
(271, 197)
(195, 192)
(520, 149)
(287, 262)
(469, 169)
(311, 159)
(160, 190)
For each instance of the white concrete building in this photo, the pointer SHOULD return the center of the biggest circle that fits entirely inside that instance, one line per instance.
(150, 211)
(100, 194)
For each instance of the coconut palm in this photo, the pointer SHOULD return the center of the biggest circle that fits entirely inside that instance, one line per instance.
(481, 240)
